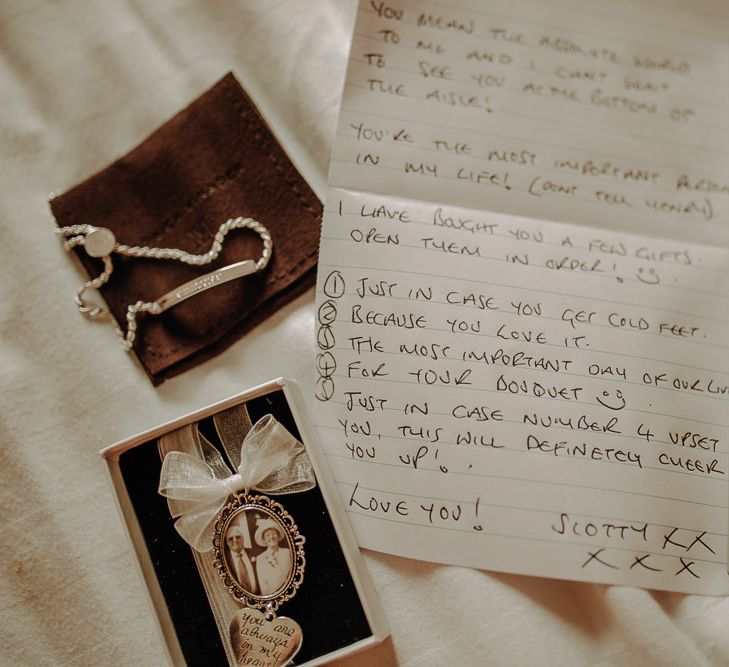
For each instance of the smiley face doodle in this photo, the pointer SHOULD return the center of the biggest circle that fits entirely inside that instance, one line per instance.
(649, 276)
(616, 403)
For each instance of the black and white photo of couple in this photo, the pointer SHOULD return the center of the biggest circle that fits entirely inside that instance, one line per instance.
(258, 553)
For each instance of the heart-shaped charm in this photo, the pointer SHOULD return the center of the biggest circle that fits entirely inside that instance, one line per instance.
(263, 643)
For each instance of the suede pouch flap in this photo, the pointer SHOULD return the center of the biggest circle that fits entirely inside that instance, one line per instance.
(217, 159)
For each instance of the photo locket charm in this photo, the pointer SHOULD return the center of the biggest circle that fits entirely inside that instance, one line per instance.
(259, 555)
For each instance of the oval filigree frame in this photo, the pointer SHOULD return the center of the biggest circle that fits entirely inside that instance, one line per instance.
(243, 502)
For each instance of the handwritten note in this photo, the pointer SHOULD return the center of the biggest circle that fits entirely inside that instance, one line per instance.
(529, 388)
(524, 396)
(538, 109)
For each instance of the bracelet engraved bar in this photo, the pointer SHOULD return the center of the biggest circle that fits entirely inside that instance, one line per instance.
(197, 285)
(101, 243)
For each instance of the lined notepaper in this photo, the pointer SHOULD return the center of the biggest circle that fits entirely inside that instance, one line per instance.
(537, 108)
(508, 379)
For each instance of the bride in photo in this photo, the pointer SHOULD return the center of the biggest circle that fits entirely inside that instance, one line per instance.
(273, 565)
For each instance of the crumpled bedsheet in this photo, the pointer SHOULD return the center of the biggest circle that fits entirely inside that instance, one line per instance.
(80, 84)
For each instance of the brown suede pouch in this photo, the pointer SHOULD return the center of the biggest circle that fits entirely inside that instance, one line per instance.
(215, 160)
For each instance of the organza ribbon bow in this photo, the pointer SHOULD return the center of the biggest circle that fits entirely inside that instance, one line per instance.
(271, 461)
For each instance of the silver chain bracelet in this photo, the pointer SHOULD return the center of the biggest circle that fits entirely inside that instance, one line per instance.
(100, 242)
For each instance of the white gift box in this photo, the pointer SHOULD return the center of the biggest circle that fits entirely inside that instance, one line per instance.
(335, 606)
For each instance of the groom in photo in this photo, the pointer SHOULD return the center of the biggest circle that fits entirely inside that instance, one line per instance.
(240, 565)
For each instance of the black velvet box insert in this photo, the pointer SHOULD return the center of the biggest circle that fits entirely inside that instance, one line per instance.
(335, 605)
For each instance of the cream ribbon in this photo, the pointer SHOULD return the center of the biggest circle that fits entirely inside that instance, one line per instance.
(271, 461)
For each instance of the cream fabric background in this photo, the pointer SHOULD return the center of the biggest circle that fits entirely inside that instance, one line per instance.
(80, 83)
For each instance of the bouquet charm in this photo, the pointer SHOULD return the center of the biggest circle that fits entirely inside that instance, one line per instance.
(262, 582)
(255, 546)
